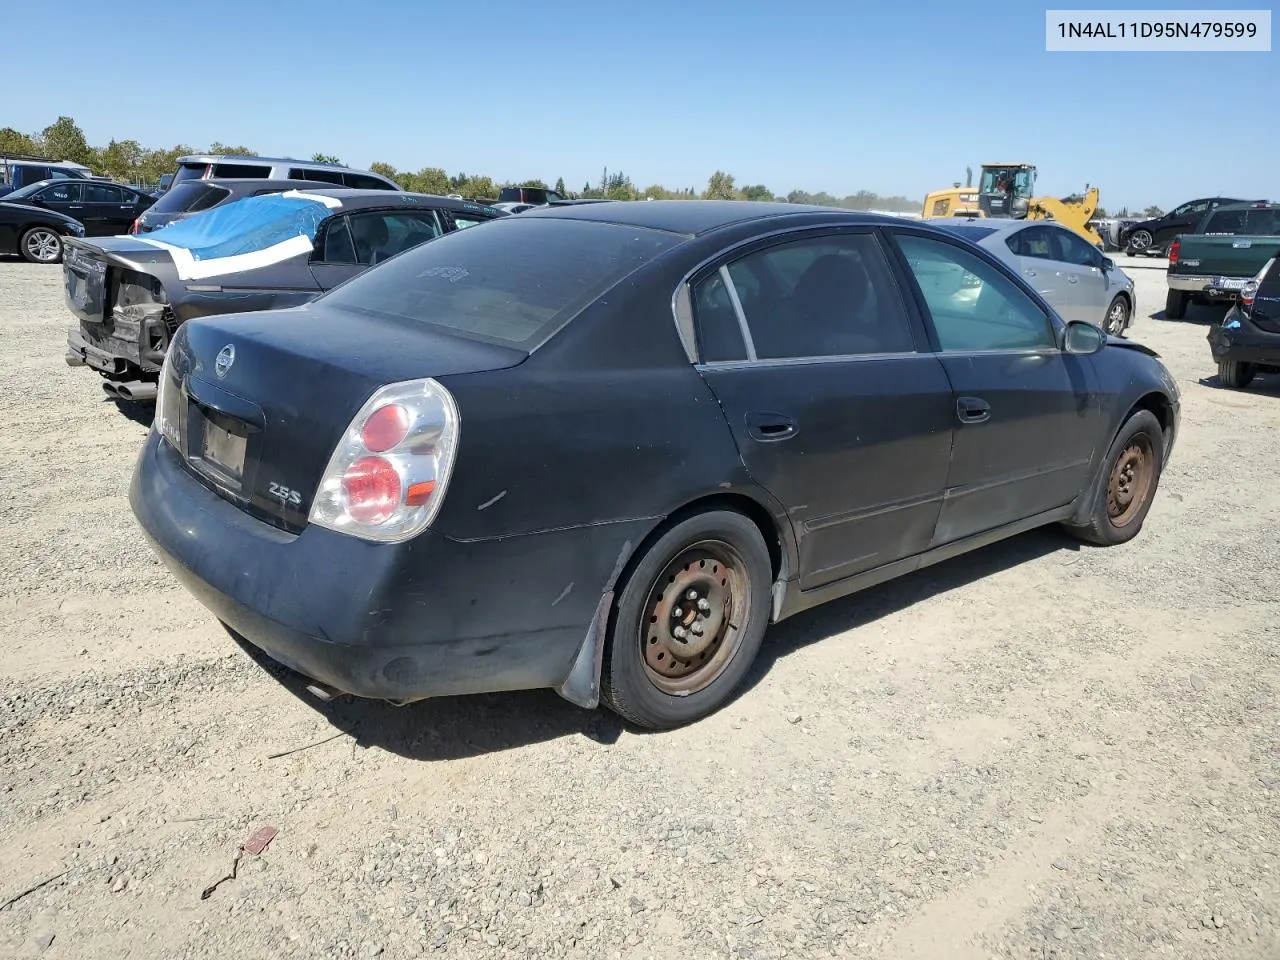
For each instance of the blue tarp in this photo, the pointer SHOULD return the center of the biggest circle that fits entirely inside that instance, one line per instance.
(246, 226)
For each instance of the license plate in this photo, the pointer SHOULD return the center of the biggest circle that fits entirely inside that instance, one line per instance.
(223, 450)
(1230, 283)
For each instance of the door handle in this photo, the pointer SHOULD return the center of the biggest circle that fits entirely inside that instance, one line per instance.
(972, 410)
(769, 427)
(1029, 273)
(75, 206)
(1072, 278)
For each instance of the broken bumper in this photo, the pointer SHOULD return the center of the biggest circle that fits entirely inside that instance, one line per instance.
(1238, 339)
(426, 618)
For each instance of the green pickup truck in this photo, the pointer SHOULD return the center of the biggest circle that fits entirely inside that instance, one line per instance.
(1228, 249)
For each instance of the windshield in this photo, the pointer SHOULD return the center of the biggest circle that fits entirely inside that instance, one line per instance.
(23, 192)
(1006, 179)
(190, 196)
(511, 281)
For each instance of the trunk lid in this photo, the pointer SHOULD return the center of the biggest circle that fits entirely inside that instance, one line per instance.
(1224, 256)
(261, 423)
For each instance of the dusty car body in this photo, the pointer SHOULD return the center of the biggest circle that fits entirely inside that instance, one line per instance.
(600, 448)
(130, 294)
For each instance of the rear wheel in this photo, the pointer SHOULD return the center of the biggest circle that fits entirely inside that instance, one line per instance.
(1133, 466)
(1117, 316)
(688, 621)
(1235, 374)
(1175, 304)
(1139, 241)
(41, 245)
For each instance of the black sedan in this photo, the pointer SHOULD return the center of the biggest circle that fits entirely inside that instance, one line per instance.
(600, 448)
(105, 209)
(1246, 341)
(129, 294)
(35, 235)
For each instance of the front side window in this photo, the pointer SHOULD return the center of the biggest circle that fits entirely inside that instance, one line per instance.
(229, 171)
(1076, 250)
(974, 307)
(817, 297)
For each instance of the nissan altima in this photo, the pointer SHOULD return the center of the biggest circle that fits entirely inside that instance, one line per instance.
(600, 448)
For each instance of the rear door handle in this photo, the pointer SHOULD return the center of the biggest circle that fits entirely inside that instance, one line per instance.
(768, 427)
(972, 410)
(1029, 273)
(1072, 278)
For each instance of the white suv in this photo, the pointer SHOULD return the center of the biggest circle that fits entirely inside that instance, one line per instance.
(235, 167)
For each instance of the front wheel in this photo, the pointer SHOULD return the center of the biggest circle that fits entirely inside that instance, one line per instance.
(688, 622)
(1117, 317)
(1131, 475)
(41, 245)
(1234, 374)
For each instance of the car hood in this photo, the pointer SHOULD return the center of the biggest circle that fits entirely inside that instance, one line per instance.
(51, 214)
(1124, 344)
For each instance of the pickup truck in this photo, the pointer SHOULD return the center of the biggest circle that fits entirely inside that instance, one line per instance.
(19, 170)
(1213, 264)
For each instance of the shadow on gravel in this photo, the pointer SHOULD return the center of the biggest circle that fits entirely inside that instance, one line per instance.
(1264, 384)
(140, 413)
(871, 604)
(449, 728)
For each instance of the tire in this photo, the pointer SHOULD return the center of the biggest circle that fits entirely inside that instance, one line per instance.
(41, 245)
(1117, 317)
(1235, 374)
(1139, 243)
(1175, 304)
(643, 680)
(1127, 488)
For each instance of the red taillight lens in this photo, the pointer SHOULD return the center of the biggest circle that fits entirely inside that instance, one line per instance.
(372, 489)
(385, 428)
(1173, 251)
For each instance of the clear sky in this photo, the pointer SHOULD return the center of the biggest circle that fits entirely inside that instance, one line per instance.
(894, 97)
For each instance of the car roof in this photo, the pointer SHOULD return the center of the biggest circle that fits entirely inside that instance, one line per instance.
(245, 158)
(993, 224)
(1247, 205)
(391, 198)
(693, 217)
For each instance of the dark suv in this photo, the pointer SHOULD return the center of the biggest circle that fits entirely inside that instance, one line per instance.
(195, 196)
(538, 196)
(1153, 236)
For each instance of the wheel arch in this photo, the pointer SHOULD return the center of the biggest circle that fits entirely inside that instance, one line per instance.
(1159, 406)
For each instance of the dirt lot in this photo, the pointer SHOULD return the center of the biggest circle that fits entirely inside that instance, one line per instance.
(1040, 750)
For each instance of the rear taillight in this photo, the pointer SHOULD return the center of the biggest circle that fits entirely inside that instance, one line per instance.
(1173, 251)
(387, 476)
(1250, 290)
(168, 401)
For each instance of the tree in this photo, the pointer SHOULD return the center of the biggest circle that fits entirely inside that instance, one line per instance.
(757, 192)
(326, 158)
(13, 141)
(63, 140)
(560, 186)
(384, 170)
(1152, 212)
(535, 185)
(217, 148)
(120, 159)
(720, 187)
(429, 180)
(478, 187)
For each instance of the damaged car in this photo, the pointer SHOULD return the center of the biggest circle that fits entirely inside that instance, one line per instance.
(600, 448)
(130, 294)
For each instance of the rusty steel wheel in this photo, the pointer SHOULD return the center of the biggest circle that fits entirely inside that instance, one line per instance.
(1122, 491)
(689, 617)
(1130, 483)
(690, 634)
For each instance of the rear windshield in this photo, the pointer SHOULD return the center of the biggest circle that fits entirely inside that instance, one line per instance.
(511, 281)
(190, 196)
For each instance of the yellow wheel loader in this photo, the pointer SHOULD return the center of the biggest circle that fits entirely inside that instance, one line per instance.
(1007, 190)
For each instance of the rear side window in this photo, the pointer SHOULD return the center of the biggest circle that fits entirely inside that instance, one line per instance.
(515, 282)
(321, 176)
(190, 197)
(818, 297)
(362, 181)
(229, 171)
(103, 193)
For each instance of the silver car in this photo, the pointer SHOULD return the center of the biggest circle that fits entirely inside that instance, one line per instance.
(1077, 279)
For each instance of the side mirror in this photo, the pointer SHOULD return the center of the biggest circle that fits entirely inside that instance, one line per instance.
(1108, 263)
(1082, 338)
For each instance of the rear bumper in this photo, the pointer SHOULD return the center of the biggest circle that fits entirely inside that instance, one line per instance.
(1204, 286)
(431, 617)
(1236, 338)
(110, 354)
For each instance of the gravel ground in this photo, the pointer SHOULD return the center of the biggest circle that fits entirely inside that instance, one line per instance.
(1039, 750)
